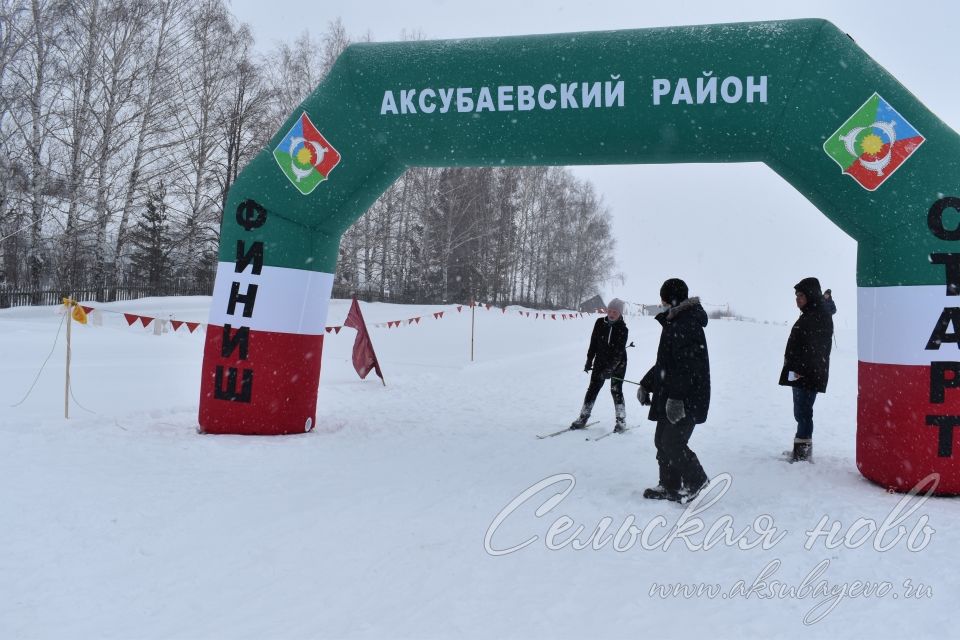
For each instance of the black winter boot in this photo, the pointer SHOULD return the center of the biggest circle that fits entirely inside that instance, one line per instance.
(581, 421)
(802, 450)
(690, 494)
(660, 493)
(621, 424)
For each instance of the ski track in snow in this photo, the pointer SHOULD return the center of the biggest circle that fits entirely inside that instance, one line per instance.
(127, 523)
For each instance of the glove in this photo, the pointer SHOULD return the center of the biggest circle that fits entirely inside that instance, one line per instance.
(587, 367)
(643, 396)
(675, 411)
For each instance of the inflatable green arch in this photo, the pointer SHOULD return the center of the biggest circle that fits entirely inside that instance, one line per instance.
(798, 95)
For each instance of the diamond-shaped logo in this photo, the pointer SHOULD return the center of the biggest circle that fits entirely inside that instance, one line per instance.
(873, 143)
(305, 156)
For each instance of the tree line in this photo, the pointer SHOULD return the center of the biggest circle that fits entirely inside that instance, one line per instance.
(123, 124)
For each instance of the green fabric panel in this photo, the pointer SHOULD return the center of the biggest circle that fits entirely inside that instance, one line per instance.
(816, 80)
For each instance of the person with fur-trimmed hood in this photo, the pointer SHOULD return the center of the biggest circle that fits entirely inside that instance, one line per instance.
(607, 358)
(677, 389)
(806, 362)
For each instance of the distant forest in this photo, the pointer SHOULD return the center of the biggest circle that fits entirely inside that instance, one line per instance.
(123, 124)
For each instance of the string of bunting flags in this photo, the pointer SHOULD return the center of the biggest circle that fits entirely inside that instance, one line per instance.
(437, 315)
(160, 324)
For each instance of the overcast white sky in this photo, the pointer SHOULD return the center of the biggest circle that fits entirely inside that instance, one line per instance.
(737, 233)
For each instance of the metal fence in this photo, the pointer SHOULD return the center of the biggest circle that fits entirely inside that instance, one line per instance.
(20, 297)
(10, 297)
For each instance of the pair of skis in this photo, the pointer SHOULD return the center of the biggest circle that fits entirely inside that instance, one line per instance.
(569, 429)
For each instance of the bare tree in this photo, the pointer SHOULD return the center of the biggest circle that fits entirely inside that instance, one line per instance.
(35, 83)
(246, 125)
(82, 41)
(123, 63)
(155, 105)
(295, 70)
(203, 82)
(124, 123)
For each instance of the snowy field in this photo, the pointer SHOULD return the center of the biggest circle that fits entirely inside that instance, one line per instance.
(123, 522)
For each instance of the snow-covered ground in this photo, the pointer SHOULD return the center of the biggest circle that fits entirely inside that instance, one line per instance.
(123, 522)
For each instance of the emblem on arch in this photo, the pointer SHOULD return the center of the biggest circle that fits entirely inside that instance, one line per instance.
(873, 143)
(305, 156)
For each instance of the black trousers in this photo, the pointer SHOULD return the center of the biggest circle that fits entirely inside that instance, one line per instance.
(679, 466)
(596, 383)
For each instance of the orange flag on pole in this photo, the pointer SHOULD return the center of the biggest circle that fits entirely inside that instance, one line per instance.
(78, 313)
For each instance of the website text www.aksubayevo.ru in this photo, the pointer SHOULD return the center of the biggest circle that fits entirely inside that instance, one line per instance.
(825, 596)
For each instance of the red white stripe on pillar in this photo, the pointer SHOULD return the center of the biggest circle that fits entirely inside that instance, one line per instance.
(264, 342)
(908, 405)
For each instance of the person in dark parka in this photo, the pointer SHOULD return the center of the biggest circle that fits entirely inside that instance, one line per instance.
(806, 362)
(829, 303)
(607, 358)
(679, 383)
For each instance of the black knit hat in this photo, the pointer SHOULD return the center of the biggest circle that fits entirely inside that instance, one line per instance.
(674, 291)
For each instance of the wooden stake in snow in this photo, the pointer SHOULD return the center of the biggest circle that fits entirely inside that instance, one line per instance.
(68, 304)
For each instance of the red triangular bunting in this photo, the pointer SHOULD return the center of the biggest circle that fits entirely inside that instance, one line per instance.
(488, 307)
(459, 307)
(176, 324)
(553, 316)
(192, 326)
(504, 309)
(337, 329)
(87, 309)
(438, 314)
(130, 318)
(328, 329)
(145, 321)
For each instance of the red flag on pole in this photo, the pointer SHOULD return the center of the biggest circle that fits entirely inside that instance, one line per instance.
(364, 359)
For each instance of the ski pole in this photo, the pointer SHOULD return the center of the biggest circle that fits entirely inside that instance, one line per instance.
(624, 380)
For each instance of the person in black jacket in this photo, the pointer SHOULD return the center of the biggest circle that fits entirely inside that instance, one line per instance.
(806, 362)
(828, 302)
(607, 358)
(679, 382)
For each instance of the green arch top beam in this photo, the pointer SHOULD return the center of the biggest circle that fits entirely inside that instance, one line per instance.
(798, 95)
(808, 79)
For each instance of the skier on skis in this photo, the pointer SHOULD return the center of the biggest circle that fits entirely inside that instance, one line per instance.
(607, 358)
(679, 382)
(806, 362)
